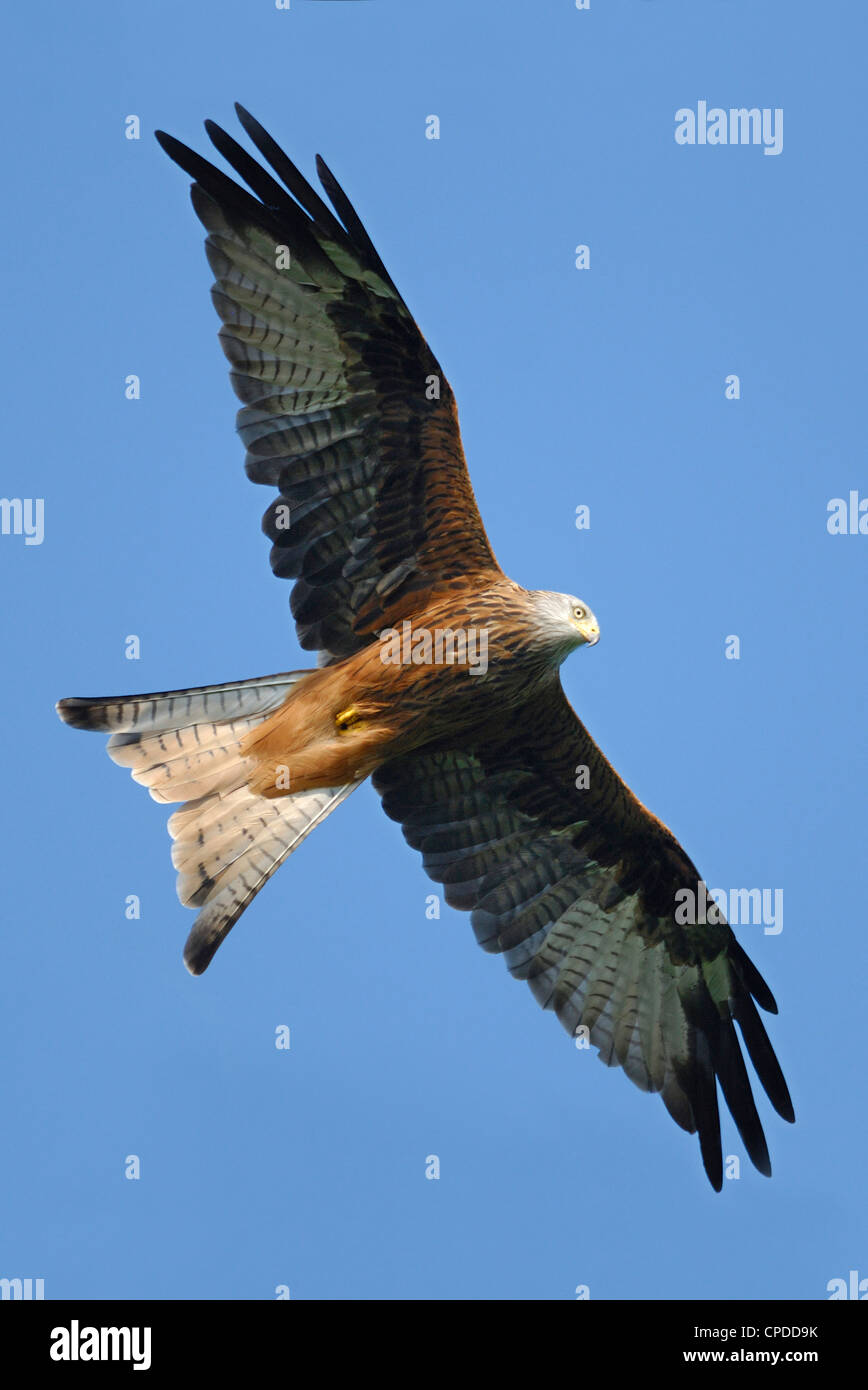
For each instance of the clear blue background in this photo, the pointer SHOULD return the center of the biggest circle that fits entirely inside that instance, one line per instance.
(708, 517)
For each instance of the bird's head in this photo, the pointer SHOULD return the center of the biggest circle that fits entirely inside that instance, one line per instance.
(567, 622)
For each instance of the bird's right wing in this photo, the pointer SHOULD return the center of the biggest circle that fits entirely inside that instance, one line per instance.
(346, 410)
(569, 877)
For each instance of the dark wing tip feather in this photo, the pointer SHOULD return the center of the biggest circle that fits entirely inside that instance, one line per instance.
(764, 1060)
(712, 1162)
(292, 177)
(351, 220)
(273, 210)
(305, 205)
(253, 174)
(174, 148)
(701, 1087)
(233, 200)
(753, 979)
(737, 1093)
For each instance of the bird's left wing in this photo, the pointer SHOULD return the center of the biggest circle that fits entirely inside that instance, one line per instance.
(345, 408)
(576, 886)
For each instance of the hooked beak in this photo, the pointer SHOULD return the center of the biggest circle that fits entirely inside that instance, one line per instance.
(590, 632)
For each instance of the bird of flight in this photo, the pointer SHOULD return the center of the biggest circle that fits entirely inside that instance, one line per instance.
(346, 413)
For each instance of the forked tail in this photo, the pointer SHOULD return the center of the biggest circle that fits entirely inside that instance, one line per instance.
(185, 745)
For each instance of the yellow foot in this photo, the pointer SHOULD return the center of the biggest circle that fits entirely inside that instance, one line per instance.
(349, 719)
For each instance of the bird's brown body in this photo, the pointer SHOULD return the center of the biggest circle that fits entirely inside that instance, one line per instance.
(341, 722)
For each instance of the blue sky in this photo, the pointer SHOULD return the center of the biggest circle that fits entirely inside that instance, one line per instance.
(603, 387)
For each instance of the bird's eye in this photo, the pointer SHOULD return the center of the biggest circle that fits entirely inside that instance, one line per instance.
(578, 611)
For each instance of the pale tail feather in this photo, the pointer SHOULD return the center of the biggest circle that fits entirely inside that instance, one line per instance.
(184, 745)
(268, 832)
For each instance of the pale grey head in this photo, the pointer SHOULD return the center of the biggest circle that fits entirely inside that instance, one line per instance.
(566, 622)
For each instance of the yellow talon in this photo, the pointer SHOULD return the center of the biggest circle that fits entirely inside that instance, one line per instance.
(348, 719)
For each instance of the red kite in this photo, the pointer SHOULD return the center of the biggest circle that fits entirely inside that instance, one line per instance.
(438, 675)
